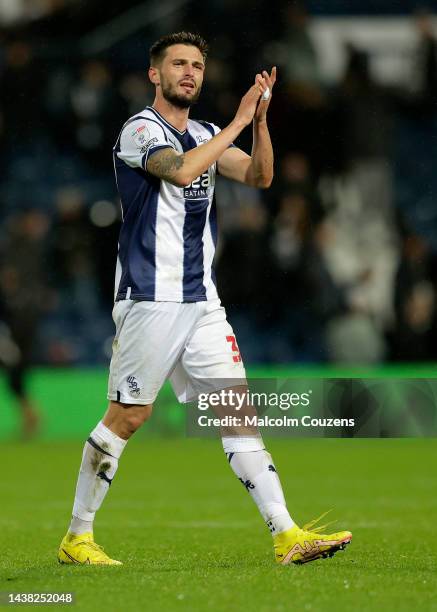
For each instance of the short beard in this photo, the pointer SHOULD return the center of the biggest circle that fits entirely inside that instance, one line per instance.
(177, 100)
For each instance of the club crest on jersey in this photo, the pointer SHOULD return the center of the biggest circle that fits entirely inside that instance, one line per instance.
(134, 389)
(199, 188)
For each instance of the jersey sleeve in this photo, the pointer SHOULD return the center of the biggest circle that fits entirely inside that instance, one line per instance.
(139, 139)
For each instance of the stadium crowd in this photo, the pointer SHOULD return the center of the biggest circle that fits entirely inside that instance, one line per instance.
(334, 263)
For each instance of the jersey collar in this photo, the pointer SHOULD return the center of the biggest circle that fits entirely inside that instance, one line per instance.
(169, 125)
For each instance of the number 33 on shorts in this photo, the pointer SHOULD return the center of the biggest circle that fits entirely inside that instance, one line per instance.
(236, 357)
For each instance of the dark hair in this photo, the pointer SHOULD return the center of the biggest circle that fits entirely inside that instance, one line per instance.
(158, 48)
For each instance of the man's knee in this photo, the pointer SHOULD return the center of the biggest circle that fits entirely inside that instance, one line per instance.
(241, 415)
(135, 416)
(126, 419)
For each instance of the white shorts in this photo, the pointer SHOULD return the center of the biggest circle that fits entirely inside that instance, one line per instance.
(191, 344)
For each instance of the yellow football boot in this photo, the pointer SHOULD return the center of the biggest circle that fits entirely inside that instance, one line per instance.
(83, 550)
(299, 546)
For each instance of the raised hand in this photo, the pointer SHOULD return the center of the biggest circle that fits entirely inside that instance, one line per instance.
(248, 105)
(264, 81)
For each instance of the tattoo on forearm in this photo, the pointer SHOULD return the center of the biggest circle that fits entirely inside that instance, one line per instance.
(165, 164)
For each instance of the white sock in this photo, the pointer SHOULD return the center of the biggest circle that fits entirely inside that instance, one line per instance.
(254, 467)
(100, 458)
(78, 526)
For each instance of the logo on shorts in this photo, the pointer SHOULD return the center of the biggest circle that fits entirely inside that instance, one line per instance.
(134, 389)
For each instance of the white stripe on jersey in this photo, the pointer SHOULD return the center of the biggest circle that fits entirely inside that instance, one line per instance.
(169, 254)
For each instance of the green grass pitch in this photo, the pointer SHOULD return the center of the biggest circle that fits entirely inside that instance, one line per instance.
(191, 538)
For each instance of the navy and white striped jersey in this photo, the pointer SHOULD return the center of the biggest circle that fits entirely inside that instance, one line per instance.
(168, 235)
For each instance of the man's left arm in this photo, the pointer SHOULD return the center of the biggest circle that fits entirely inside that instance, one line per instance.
(256, 169)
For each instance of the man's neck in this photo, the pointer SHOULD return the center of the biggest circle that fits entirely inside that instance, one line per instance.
(177, 117)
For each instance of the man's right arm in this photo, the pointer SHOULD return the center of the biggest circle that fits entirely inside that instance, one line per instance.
(181, 169)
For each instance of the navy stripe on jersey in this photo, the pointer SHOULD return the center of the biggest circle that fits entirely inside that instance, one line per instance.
(139, 199)
(194, 224)
(193, 288)
(138, 236)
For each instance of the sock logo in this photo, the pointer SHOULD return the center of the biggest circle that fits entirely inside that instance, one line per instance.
(272, 468)
(247, 484)
(103, 476)
(134, 389)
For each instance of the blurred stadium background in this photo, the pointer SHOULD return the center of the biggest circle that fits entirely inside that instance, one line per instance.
(334, 265)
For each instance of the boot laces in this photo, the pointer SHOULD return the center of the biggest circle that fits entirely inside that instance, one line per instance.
(311, 525)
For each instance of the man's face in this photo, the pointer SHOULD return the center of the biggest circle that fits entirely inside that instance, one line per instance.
(181, 75)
